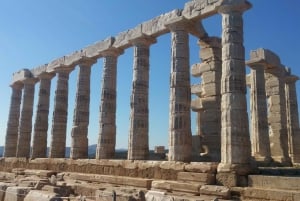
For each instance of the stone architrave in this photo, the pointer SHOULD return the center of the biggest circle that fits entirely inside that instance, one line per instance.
(25, 125)
(79, 133)
(60, 114)
(235, 139)
(259, 117)
(180, 135)
(275, 90)
(11, 140)
(292, 118)
(107, 133)
(39, 144)
(138, 142)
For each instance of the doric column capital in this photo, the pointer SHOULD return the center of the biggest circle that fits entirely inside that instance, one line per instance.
(30, 81)
(112, 52)
(63, 68)
(178, 24)
(46, 75)
(229, 6)
(143, 40)
(17, 85)
(256, 65)
(290, 79)
(87, 62)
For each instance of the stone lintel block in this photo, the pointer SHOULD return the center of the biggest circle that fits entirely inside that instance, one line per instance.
(210, 42)
(171, 186)
(201, 167)
(264, 57)
(204, 178)
(21, 75)
(274, 182)
(35, 195)
(156, 26)
(219, 191)
(200, 9)
(36, 72)
(196, 104)
(198, 30)
(122, 40)
(196, 89)
(95, 49)
(16, 193)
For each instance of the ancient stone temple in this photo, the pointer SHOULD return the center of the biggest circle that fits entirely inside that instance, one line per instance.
(232, 139)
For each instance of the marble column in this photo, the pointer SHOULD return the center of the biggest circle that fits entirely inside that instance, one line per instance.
(275, 90)
(25, 125)
(138, 142)
(39, 144)
(259, 118)
(60, 114)
(11, 140)
(235, 139)
(79, 133)
(107, 134)
(180, 135)
(292, 118)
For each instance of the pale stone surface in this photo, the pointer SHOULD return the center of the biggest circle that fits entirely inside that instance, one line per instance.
(292, 118)
(204, 178)
(235, 140)
(39, 195)
(16, 193)
(220, 191)
(59, 122)
(25, 125)
(180, 139)
(79, 133)
(171, 186)
(258, 108)
(11, 139)
(3, 187)
(138, 141)
(107, 133)
(39, 144)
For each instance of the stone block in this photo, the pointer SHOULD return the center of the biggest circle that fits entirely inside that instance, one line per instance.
(268, 56)
(199, 9)
(203, 178)
(211, 77)
(196, 89)
(226, 179)
(196, 104)
(172, 186)
(35, 195)
(3, 187)
(39, 70)
(201, 167)
(95, 49)
(211, 89)
(122, 40)
(270, 194)
(219, 191)
(210, 54)
(21, 75)
(40, 173)
(233, 51)
(16, 193)
(157, 195)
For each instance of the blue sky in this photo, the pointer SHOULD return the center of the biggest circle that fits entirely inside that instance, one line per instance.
(35, 32)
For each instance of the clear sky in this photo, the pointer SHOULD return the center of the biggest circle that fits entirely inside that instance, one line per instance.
(34, 32)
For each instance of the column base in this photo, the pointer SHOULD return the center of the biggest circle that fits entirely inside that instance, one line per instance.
(282, 161)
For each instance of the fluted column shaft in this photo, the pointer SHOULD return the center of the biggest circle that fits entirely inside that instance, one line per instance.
(25, 125)
(60, 114)
(275, 90)
(138, 142)
(292, 118)
(11, 140)
(107, 134)
(235, 140)
(180, 137)
(79, 133)
(259, 118)
(39, 144)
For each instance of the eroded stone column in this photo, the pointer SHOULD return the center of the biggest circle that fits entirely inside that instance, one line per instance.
(292, 117)
(60, 114)
(107, 134)
(79, 133)
(180, 135)
(25, 125)
(259, 118)
(138, 142)
(275, 89)
(39, 144)
(235, 139)
(11, 140)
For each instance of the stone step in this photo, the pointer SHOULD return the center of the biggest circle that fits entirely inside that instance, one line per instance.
(16, 193)
(214, 190)
(258, 194)
(274, 182)
(119, 180)
(35, 195)
(177, 186)
(203, 178)
(280, 171)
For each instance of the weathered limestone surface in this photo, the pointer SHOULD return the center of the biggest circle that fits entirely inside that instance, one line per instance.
(79, 133)
(39, 195)
(39, 144)
(25, 125)
(107, 133)
(11, 140)
(172, 186)
(138, 141)
(235, 140)
(16, 193)
(259, 119)
(209, 116)
(292, 118)
(180, 139)
(59, 122)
